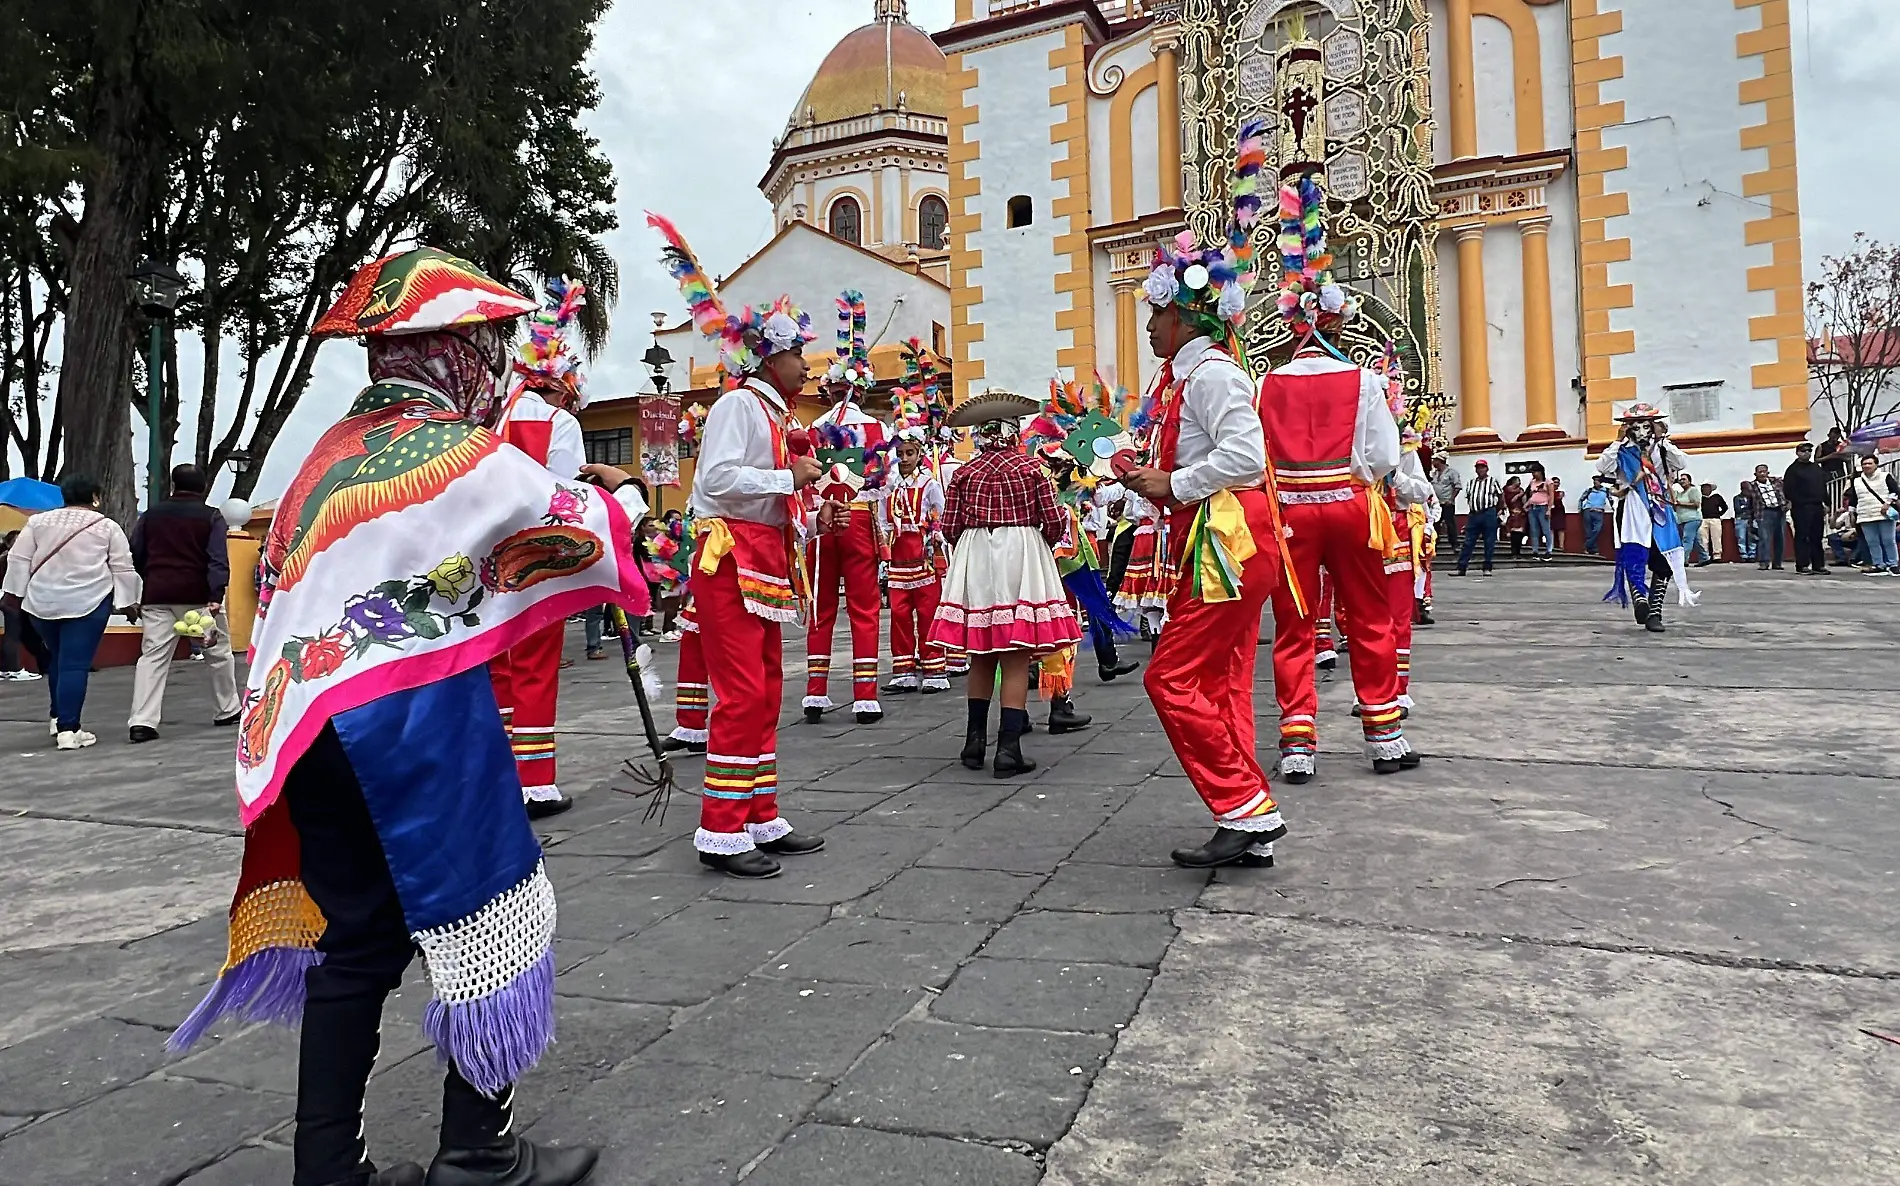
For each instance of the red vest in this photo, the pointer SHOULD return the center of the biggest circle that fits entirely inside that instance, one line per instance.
(1310, 421)
(530, 436)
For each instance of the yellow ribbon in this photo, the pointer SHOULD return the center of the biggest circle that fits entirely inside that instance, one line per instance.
(1421, 541)
(1219, 543)
(718, 543)
(1384, 537)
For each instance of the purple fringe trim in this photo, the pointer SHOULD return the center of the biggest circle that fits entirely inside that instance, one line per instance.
(493, 1040)
(1632, 569)
(267, 986)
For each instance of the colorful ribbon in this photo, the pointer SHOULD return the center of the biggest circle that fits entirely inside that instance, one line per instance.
(1219, 542)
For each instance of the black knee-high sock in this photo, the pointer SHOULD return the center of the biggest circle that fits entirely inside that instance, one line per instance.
(980, 715)
(1015, 722)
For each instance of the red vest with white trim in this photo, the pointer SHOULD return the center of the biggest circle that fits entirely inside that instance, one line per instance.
(1310, 421)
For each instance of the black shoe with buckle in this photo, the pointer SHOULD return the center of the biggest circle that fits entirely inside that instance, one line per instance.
(520, 1162)
(975, 744)
(793, 844)
(1064, 719)
(749, 864)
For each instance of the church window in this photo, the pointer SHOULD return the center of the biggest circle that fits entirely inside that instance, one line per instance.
(1022, 210)
(846, 220)
(933, 220)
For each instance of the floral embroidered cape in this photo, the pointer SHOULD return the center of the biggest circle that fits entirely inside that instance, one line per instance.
(412, 546)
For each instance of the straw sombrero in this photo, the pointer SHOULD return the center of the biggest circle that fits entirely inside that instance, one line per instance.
(994, 404)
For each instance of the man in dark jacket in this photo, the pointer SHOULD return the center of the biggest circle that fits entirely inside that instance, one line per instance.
(1805, 485)
(178, 548)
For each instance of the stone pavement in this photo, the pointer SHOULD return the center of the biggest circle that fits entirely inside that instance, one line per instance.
(1629, 922)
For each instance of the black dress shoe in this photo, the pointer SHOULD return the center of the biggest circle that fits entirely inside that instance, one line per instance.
(1226, 847)
(1409, 760)
(1327, 664)
(143, 733)
(1064, 719)
(543, 808)
(868, 718)
(793, 844)
(1387, 765)
(814, 715)
(227, 722)
(1111, 672)
(1296, 777)
(975, 745)
(673, 745)
(751, 863)
(522, 1164)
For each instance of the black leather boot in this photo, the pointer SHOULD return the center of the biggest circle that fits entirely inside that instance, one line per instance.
(1658, 590)
(814, 715)
(976, 737)
(793, 844)
(543, 808)
(1009, 760)
(751, 864)
(673, 745)
(1639, 609)
(1227, 847)
(1110, 672)
(1064, 719)
(515, 1162)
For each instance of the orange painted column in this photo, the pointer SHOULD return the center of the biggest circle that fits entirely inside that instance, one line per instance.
(1540, 351)
(1474, 347)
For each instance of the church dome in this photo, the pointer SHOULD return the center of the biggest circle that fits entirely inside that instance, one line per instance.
(873, 67)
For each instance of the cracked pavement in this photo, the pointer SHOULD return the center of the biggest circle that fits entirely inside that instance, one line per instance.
(1631, 920)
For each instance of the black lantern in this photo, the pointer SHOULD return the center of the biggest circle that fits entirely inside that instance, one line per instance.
(240, 461)
(658, 360)
(156, 288)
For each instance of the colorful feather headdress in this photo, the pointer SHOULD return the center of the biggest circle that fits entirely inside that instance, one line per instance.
(1310, 299)
(1211, 284)
(547, 359)
(745, 339)
(853, 366)
(919, 400)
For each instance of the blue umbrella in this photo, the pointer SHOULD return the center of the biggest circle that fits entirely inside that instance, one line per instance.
(30, 494)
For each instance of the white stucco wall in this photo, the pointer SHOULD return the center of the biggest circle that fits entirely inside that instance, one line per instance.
(1125, 56)
(1553, 37)
(1566, 318)
(814, 268)
(1017, 276)
(1689, 257)
(1494, 68)
(1144, 149)
(1504, 327)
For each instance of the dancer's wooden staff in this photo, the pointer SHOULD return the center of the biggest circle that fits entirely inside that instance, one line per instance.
(658, 783)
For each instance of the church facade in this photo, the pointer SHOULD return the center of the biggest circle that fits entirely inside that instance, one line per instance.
(1556, 208)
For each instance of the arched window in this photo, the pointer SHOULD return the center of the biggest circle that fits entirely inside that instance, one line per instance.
(933, 223)
(846, 220)
(1022, 210)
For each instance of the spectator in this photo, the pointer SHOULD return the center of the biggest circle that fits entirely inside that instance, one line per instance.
(1805, 485)
(1559, 514)
(1834, 456)
(178, 548)
(1714, 506)
(67, 570)
(1515, 516)
(1482, 496)
(1686, 497)
(1594, 504)
(1771, 510)
(1537, 510)
(1446, 483)
(1844, 538)
(18, 633)
(1876, 506)
(1744, 507)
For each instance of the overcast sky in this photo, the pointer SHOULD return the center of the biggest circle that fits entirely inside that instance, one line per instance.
(692, 95)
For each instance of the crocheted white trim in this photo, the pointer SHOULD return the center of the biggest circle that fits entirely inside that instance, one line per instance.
(724, 844)
(479, 955)
(1311, 497)
(1392, 566)
(1326, 656)
(902, 681)
(1296, 763)
(937, 683)
(545, 793)
(1405, 701)
(1270, 822)
(770, 830)
(866, 706)
(817, 702)
(1388, 750)
(695, 736)
(906, 584)
(1262, 849)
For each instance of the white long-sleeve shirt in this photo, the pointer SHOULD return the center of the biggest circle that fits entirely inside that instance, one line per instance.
(930, 503)
(1221, 445)
(567, 451)
(1668, 458)
(738, 475)
(1375, 435)
(1409, 482)
(66, 561)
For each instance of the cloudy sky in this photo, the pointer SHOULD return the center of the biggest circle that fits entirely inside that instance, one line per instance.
(692, 95)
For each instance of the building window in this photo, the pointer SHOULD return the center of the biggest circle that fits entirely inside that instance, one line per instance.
(846, 221)
(1022, 210)
(609, 446)
(933, 223)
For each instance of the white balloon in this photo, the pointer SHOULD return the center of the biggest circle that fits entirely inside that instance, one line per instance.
(236, 513)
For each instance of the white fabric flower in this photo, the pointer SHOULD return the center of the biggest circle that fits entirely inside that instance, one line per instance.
(1233, 301)
(781, 333)
(1332, 298)
(1161, 286)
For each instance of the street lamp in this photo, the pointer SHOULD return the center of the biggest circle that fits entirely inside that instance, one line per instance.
(658, 360)
(240, 461)
(156, 288)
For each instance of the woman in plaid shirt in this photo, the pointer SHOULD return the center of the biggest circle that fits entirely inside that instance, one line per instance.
(1003, 600)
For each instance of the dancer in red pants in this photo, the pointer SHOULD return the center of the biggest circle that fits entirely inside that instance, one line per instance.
(1208, 461)
(913, 529)
(745, 584)
(1331, 440)
(846, 431)
(692, 692)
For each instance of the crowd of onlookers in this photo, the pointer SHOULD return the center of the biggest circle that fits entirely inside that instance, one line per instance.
(1835, 502)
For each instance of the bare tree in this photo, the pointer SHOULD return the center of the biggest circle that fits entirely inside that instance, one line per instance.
(1853, 324)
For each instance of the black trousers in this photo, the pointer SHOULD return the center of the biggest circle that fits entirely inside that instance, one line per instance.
(1118, 561)
(20, 634)
(1810, 535)
(366, 948)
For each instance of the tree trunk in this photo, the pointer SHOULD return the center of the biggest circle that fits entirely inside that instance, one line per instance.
(95, 366)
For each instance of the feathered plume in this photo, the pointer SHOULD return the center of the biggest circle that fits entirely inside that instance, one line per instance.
(702, 299)
(1250, 155)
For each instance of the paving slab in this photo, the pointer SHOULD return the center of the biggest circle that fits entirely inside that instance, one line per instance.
(1039, 994)
(1104, 889)
(939, 805)
(791, 1028)
(694, 955)
(823, 1154)
(950, 895)
(856, 859)
(621, 904)
(66, 1067)
(969, 1082)
(253, 1165)
(1137, 940)
(155, 1125)
(889, 952)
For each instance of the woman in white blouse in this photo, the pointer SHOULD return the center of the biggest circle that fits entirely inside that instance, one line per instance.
(68, 569)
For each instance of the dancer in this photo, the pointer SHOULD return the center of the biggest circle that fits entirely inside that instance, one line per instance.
(1208, 462)
(1331, 439)
(539, 421)
(848, 437)
(1003, 601)
(911, 517)
(692, 692)
(1147, 579)
(1407, 493)
(410, 550)
(1643, 464)
(746, 582)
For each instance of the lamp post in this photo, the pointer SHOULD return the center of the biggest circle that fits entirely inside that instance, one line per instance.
(657, 358)
(156, 288)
